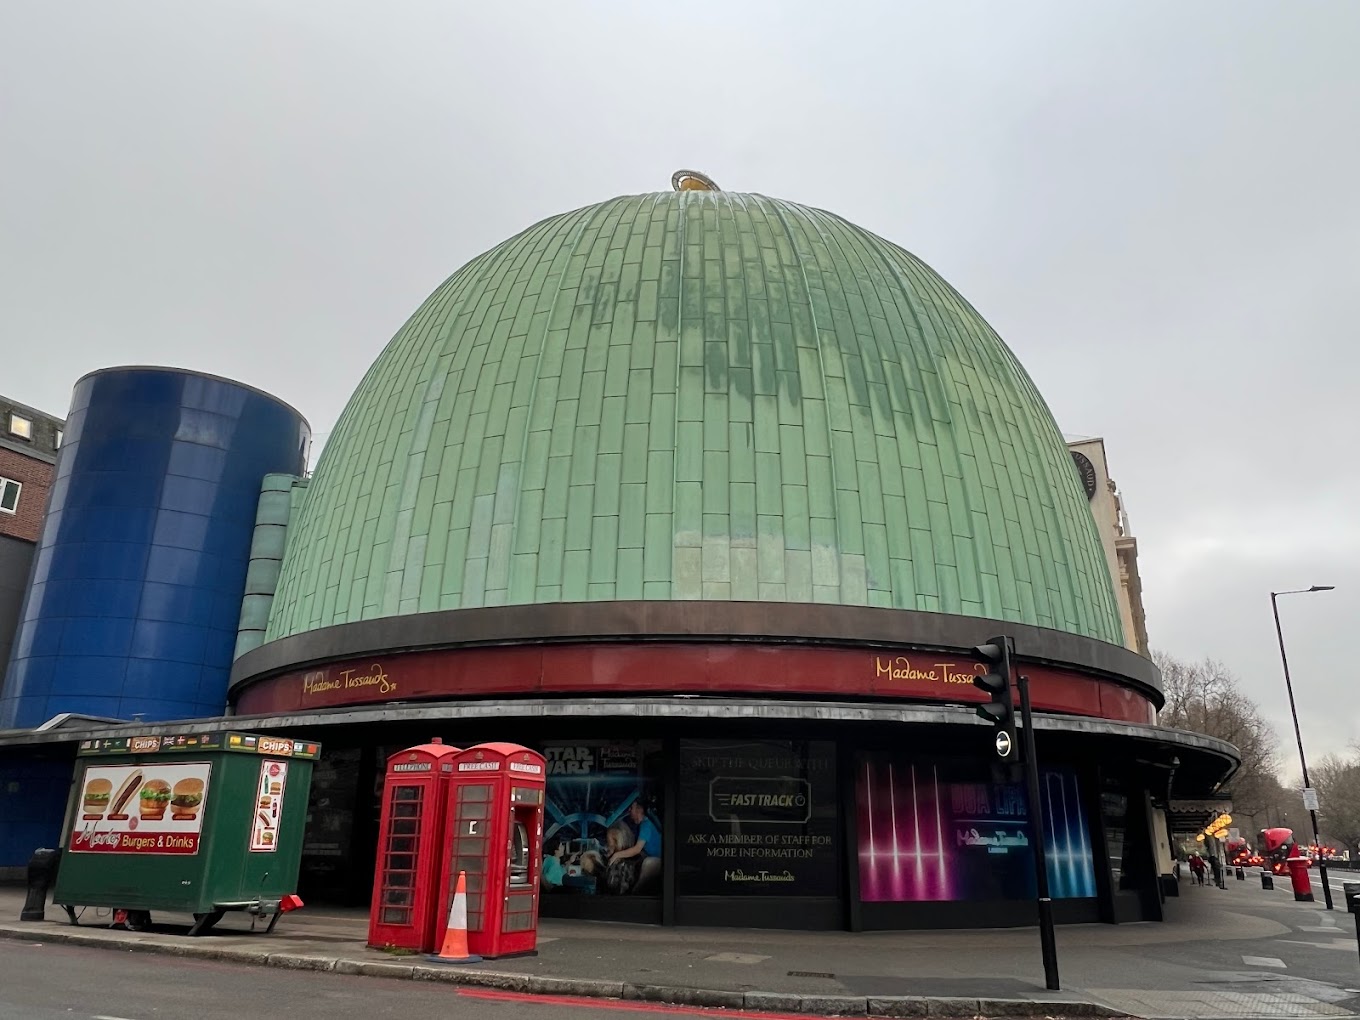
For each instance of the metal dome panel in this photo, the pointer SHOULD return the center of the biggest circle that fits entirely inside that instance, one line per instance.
(696, 394)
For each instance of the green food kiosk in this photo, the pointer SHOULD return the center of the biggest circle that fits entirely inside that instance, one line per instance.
(196, 824)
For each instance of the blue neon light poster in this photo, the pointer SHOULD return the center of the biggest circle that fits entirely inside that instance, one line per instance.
(938, 831)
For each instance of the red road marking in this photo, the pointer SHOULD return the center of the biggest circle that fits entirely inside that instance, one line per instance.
(621, 1004)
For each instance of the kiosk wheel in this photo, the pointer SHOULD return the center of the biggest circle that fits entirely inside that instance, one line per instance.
(203, 923)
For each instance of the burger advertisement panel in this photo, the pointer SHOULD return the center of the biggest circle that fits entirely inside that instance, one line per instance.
(264, 827)
(141, 809)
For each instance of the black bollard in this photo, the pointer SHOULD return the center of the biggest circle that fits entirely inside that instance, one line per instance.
(1352, 894)
(1241, 875)
(1267, 880)
(42, 872)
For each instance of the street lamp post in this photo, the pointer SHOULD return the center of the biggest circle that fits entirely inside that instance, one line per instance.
(1298, 736)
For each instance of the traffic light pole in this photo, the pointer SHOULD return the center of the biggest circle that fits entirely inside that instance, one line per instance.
(1047, 940)
(1303, 761)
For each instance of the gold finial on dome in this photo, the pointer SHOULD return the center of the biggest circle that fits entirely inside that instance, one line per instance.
(693, 180)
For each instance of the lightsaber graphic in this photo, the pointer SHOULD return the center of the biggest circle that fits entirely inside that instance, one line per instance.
(868, 788)
(1071, 863)
(888, 836)
(892, 802)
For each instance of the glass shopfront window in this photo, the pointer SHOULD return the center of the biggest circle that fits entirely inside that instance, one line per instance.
(757, 818)
(1127, 841)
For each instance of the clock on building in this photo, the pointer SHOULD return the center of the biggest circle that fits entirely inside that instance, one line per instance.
(1087, 471)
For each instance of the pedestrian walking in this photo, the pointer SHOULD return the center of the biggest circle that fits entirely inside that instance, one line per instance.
(1197, 868)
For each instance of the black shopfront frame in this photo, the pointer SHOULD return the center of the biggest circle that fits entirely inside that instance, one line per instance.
(841, 910)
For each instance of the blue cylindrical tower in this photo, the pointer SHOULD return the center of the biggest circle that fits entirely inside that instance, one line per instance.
(137, 581)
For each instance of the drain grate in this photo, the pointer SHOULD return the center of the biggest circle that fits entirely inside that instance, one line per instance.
(810, 973)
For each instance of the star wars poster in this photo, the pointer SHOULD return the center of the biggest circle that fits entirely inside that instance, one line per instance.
(602, 830)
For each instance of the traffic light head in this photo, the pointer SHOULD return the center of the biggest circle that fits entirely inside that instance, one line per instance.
(996, 681)
(993, 651)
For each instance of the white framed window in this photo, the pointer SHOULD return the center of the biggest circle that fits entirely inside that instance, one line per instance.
(9, 495)
(59, 435)
(20, 426)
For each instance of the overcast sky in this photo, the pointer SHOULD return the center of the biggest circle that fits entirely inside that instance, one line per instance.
(1155, 204)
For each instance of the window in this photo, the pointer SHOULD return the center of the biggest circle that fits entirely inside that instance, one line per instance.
(20, 426)
(9, 495)
(59, 435)
(757, 818)
(606, 797)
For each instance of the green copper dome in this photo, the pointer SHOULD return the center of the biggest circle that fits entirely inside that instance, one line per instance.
(696, 395)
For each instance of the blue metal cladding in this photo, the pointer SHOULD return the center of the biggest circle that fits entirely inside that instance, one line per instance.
(137, 581)
(33, 793)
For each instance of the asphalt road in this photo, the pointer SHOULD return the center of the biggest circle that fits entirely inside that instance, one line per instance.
(72, 983)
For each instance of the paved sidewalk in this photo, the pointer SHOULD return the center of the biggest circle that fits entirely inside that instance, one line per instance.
(1106, 969)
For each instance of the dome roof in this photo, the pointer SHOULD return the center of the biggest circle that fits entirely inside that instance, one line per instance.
(696, 394)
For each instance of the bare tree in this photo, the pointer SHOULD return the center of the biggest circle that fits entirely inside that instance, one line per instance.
(1206, 697)
(1337, 781)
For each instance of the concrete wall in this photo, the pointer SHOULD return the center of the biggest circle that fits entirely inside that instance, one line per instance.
(1121, 550)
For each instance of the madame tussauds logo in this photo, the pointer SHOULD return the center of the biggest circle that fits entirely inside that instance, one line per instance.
(374, 676)
(900, 668)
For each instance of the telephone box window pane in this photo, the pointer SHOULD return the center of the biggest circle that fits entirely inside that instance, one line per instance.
(469, 845)
(407, 793)
(472, 865)
(479, 791)
(602, 797)
(399, 879)
(397, 897)
(396, 915)
(525, 795)
(404, 827)
(479, 810)
(407, 809)
(518, 922)
(402, 844)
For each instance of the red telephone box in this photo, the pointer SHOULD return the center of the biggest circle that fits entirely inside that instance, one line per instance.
(495, 837)
(410, 847)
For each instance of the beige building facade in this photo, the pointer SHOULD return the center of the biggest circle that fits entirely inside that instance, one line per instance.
(1116, 537)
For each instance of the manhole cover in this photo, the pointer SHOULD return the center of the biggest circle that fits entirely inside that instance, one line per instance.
(810, 973)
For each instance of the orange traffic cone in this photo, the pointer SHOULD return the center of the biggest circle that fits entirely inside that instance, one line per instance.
(455, 947)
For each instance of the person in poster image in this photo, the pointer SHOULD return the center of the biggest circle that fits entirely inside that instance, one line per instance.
(553, 873)
(646, 846)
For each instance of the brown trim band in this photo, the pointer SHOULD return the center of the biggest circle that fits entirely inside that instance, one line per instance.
(642, 621)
